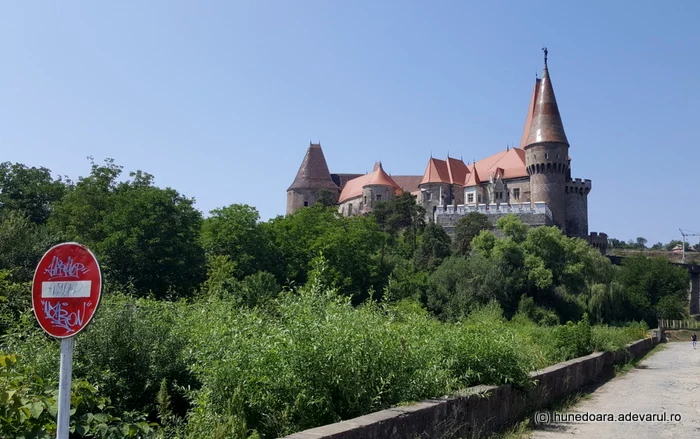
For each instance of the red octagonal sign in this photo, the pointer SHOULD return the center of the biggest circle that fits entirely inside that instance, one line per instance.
(66, 289)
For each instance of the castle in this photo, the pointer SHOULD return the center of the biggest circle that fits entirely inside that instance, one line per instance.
(532, 181)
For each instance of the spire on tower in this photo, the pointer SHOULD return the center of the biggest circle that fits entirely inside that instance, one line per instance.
(544, 49)
(545, 120)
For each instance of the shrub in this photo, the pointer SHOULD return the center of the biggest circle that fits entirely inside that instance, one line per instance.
(131, 346)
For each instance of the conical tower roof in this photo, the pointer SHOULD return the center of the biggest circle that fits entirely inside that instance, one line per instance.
(381, 178)
(546, 124)
(313, 172)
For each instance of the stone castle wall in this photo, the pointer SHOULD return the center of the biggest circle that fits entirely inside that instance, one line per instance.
(448, 221)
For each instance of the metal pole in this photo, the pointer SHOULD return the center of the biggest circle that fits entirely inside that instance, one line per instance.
(65, 376)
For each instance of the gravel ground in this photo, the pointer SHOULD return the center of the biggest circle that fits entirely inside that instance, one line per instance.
(666, 382)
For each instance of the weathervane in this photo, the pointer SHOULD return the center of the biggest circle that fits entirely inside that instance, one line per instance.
(544, 49)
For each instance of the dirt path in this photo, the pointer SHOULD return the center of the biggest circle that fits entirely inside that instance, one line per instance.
(666, 382)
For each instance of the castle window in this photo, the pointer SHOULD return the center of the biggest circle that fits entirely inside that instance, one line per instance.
(428, 196)
(379, 198)
(306, 204)
(470, 198)
(349, 209)
(516, 193)
(479, 198)
(365, 199)
(546, 156)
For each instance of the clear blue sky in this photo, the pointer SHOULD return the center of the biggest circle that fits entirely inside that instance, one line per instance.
(220, 99)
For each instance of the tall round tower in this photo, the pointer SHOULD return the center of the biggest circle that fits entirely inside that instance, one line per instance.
(547, 151)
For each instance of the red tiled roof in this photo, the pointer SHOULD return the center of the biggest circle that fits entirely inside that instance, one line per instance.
(381, 178)
(436, 172)
(509, 164)
(409, 183)
(353, 188)
(450, 171)
(473, 177)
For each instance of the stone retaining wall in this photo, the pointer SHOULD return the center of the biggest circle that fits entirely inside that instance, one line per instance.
(482, 409)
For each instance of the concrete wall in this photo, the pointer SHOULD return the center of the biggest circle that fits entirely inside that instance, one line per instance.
(482, 409)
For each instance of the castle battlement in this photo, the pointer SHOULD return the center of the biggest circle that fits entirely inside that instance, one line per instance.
(495, 209)
(578, 186)
(599, 241)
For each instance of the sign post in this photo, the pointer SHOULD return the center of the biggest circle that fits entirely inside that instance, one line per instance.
(65, 294)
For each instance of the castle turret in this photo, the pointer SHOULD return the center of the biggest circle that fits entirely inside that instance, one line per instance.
(312, 181)
(547, 150)
(380, 187)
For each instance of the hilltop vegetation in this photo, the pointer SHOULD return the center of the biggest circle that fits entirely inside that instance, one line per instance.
(227, 326)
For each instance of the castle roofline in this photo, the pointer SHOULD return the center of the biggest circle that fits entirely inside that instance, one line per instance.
(313, 172)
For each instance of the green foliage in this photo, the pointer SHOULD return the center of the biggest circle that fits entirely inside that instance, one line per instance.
(246, 358)
(142, 234)
(434, 247)
(513, 228)
(15, 298)
(466, 229)
(235, 232)
(542, 316)
(572, 340)
(28, 192)
(22, 243)
(131, 346)
(318, 360)
(672, 307)
(649, 280)
(608, 338)
(326, 198)
(349, 245)
(402, 213)
(405, 282)
(29, 405)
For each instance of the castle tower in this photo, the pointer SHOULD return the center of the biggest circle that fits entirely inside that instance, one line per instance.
(312, 181)
(547, 150)
(380, 187)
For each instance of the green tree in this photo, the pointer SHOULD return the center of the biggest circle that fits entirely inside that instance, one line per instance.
(648, 281)
(234, 231)
(403, 219)
(326, 198)
(29, 191)
(434, 247)
(142, 234)
(467, 228)
(513, 228)
(350, 247)
(22, 243)
(641, 243)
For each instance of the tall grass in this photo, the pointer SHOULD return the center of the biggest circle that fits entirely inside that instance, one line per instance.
(305, 359)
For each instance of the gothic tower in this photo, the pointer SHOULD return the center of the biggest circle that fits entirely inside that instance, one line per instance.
(547, 150)
(312, 181)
